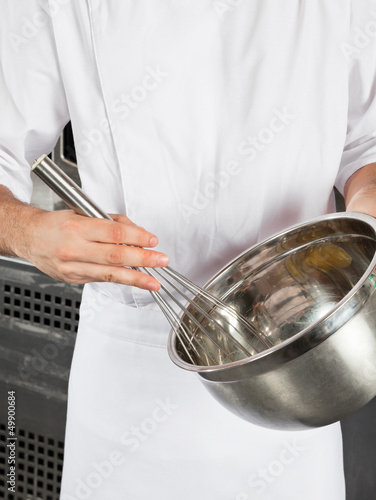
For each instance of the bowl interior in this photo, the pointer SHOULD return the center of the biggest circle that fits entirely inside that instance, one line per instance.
(279, 287)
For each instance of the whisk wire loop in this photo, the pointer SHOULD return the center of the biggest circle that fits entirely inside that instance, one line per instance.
(206, 315)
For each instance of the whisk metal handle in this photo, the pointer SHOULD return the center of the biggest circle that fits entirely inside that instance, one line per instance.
(82, 204)
(67, 189)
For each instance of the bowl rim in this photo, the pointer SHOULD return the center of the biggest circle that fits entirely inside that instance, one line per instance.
(171, 344)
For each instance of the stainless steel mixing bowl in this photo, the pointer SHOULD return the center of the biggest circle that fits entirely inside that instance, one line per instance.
(311, 291)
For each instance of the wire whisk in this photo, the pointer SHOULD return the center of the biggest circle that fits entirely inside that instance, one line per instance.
(212, 332)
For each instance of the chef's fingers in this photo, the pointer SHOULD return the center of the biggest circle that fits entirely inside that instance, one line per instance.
(106, 231)
(113, 255)
(80, 273)
(122, 218)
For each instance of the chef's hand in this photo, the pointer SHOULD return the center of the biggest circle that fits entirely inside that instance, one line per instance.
(360, 191)
(78, 249)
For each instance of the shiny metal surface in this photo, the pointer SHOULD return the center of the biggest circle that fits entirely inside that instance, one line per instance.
(310, 291)
(66, 188)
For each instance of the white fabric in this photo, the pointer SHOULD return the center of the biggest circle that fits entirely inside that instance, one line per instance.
(213, 124)
(169, 439)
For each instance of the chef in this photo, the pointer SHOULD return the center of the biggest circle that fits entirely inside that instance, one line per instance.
(206, 126)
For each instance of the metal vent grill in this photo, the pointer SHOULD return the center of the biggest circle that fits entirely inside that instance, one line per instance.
(38, 324)
(38, 308)
(39, 466)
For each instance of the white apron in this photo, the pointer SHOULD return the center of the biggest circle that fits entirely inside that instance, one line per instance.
(213, 124)
(140, 428)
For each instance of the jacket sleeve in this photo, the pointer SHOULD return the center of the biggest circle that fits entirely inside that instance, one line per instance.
(360, 51)
(33, 108)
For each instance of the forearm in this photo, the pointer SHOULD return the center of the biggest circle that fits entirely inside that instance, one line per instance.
(360, 191)
(15, 219)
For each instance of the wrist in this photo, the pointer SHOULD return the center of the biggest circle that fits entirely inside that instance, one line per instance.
(26, 221)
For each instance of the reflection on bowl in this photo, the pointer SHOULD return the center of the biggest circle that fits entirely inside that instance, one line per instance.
(306, 291)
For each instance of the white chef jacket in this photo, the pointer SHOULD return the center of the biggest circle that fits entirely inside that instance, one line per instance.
(212, 123)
